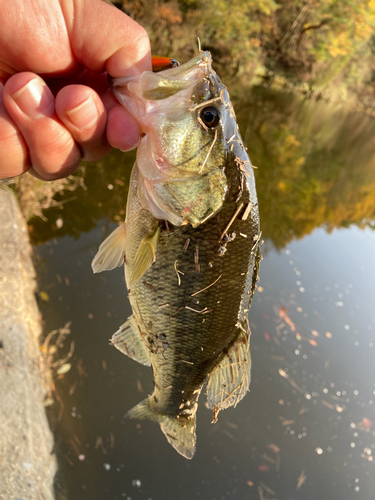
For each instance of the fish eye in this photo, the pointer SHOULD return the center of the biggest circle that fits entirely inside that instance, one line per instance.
(210, 116)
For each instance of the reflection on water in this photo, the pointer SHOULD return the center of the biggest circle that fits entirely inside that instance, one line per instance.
(316, 165)
(316, 169)
(307, 428)
(102, 195)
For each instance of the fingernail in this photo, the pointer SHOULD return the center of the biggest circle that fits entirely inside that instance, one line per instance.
(84, 115)
(34, 99)
(131, 146)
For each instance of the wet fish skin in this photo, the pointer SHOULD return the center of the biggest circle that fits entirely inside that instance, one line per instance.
(191, 251)
(186, 334)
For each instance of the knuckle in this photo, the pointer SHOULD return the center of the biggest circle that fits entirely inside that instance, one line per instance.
(59, 142)
(14, 154)
(143, 41)
(9, 133)
(58, 156)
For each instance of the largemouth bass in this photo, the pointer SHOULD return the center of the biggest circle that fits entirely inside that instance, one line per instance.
(190, 244)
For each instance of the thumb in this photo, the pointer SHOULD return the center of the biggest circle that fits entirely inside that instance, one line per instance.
(105, 39)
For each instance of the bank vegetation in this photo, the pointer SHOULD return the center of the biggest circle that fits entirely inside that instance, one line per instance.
(325, 46)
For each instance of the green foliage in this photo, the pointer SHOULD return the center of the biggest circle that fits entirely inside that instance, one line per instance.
(316, 164)
(325, 42)
(315, 168)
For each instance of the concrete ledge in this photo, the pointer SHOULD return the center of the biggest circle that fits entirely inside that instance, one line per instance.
(27, 467)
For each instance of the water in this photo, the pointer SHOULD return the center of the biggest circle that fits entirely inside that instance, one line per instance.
(306, 430)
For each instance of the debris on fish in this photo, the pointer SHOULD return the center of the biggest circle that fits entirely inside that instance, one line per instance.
(190, 279)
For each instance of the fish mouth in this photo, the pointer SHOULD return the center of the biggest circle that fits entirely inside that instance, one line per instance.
(159, 102)
(185, 73)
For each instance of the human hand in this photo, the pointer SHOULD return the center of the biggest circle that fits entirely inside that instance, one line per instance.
(55, 105)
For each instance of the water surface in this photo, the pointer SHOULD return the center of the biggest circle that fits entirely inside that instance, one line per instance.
(306, 430)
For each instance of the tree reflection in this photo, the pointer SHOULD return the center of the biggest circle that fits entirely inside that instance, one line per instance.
(315, 168)
(315, 164)
(103, 195)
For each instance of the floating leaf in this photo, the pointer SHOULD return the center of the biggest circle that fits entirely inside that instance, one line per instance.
(44, 296)
(63, 369)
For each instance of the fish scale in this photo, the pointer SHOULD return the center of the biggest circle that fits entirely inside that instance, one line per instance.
(190, 243)
(193, 337)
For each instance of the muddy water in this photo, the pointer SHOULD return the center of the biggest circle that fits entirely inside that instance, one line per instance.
(306, 430)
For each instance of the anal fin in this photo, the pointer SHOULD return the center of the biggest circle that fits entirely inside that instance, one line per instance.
(128, 340)
(111, 252)
(230, 379)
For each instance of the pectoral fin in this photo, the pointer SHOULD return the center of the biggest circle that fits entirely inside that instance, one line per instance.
(230, 379)
(144, 257)
(111, 252)
(128, 340)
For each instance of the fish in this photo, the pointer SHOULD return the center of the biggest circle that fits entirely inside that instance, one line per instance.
(190, 245)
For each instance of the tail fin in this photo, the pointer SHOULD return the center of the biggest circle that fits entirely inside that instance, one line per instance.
(180, 432)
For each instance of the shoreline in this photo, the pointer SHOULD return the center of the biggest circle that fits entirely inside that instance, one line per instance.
(27, 463)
